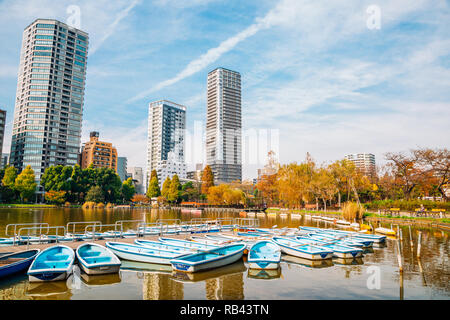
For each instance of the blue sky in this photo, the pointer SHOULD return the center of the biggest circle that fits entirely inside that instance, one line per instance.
(313, 73)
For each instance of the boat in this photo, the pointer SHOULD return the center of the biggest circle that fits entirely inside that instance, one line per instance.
(302, 250)
(188, 244)
(16, 262)
(52, 264)
(208, 241)
(162, 246)
(292, 260)
(385, 231)
(96, 259)
(6, 241)
(264, 255)
(210, 259)
(316, 217)
(343, 222)
(140, 253)
(237, 267)
(355, 226)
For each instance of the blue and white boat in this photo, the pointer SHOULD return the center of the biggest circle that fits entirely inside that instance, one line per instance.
(209, 241)
(163, 246)
(188, 244)
(96, 259)
(302, 250)
(137, 253)
(210, 259)
(52, 264)
(6, 241)
(264, 255)
(17, 262)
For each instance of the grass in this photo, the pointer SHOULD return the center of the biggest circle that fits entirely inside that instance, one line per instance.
(26, 205)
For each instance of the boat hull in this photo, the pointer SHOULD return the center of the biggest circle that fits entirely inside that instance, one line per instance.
(305, 255)
(263, 265)
(100, 269)
(16, 267)
(186, 267)
(49, 276)
(140, 258)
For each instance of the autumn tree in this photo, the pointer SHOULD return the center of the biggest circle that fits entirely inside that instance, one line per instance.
(166, 188)
(25, 183)
(153, 190)
(207, 179)
(128, 190)
(56, 197)
(174, 189)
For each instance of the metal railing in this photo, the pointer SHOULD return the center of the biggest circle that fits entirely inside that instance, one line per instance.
(40, 235)
(79, 223)
(39, 225)
(142, 228)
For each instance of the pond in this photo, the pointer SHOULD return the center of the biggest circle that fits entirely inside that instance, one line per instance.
(427, 278)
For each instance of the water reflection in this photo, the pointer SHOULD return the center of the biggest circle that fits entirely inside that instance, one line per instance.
(264, 274)
(52, 290)
(160, 286)
(351, 261)
(307, 263)
(100, 280)
(237, 267)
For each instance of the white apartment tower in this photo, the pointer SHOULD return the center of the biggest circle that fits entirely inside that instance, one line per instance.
(224, 125)
(166, 131)
(364, 162)
(50, 96)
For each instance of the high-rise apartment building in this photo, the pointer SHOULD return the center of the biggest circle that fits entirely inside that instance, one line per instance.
(166, 131)
(224, 125)
(2, 128)
(98, 153)
(50, 96)
(364, 162)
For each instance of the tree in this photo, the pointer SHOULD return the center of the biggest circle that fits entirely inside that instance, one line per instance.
(207, 179)
(25, 184)
(437, 164)
(153, 188)
(174, 190)
(128, 189)
(8, 192)
(165, 188)
(95, 194)
(139, 198)
(110, 183)
(56, 197)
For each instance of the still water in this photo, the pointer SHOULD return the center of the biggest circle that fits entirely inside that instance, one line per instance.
(427, 278)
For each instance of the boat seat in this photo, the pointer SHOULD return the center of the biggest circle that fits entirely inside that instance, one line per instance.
(91, 253)
(58, 257)
(97, 259)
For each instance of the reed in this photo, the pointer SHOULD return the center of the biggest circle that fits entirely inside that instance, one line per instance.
(100, 205)
(88, 205)
(352, 211)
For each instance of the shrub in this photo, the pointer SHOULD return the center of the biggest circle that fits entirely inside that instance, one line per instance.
(352, 211)
(100, 205)
(109, 205)
(89, 205)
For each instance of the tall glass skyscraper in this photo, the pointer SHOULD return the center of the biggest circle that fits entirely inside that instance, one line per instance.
(224, 125)
(50, 96)
(166, 131)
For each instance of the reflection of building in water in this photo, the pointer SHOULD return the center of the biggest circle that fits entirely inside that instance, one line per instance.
(161, 287)
(230, 287)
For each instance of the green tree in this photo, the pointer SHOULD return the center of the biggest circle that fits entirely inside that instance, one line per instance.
(7, 191)
(95, 194)
(25, 184)
(207, 179)
(109, 181)
(153, 188)
(165, 188)
(174, 190)
(128, 189)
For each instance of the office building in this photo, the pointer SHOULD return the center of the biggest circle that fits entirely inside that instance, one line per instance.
(166, 131)
(5, 159)
(98, 153)
(364, 162)
(122, 168)
(224, 125)
(137, 175)
(50, 96)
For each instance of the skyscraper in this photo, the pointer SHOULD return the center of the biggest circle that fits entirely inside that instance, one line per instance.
(364, 162)
(50, 96)
(138, 178)
(2, 128)
(166, 130)
(122, 168)
(224, 125)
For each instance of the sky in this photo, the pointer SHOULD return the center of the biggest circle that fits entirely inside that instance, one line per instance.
(325, 77)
